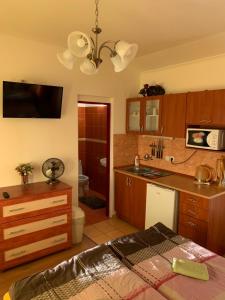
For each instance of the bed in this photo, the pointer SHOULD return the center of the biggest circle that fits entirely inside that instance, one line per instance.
(136, 266)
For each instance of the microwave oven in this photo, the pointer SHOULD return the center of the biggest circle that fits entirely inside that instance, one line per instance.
(211, 139)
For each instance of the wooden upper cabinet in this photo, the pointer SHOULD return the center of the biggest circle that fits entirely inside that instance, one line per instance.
(167, 114)
(217, 100)
(206, 108)
(134, 115)
(199, 109)
(143, 115)
(173, 115)
(152, 114)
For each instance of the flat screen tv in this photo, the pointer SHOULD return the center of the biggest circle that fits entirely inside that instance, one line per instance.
(26, 100)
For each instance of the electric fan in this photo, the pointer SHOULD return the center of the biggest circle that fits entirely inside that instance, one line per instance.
(53, 168)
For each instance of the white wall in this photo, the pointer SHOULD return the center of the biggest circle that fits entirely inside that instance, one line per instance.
(196, 65)
(35, 140)
(201, 74)
(202, 48)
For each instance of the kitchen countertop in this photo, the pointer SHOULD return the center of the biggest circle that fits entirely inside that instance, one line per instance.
(182, 183)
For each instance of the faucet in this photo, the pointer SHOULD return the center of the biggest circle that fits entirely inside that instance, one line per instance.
(137, 160)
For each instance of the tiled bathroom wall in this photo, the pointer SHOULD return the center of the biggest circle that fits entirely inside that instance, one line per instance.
(92, 145)
(173, 147)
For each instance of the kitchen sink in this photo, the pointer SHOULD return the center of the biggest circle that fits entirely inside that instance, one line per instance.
(148, 172)
(138, 170)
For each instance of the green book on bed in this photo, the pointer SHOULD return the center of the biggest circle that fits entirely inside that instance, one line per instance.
(190, 268)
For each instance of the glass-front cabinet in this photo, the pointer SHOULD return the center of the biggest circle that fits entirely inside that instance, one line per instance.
(144, 115)
(151, 120)
(133, 115)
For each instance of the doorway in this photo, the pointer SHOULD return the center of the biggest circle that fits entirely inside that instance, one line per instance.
(94, 155)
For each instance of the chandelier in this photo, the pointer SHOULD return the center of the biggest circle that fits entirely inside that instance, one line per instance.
(81, 46)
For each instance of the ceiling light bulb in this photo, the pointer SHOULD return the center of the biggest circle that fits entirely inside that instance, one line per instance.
(81, 43)
(119, 65)
(88, 67)
(66, 59)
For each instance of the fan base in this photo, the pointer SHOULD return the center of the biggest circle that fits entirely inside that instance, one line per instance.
(52, 181)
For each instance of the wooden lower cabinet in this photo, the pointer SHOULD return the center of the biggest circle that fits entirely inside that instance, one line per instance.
(130, 199)
(194, 229)
(202, 220)
(35, 221)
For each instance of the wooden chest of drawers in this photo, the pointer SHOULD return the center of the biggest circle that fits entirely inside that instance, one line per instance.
(193, 218)
(202, 220)
(35, 221)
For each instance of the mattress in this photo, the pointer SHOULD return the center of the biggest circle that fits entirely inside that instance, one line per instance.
(136, 266)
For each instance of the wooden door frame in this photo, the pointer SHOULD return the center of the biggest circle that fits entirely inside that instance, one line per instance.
(108, 140)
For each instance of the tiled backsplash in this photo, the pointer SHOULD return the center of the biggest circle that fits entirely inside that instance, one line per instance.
(125, 150)
(125, 147)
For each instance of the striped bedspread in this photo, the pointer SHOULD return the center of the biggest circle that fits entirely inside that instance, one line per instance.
(137, 266)
(149, 254)
(94, 274)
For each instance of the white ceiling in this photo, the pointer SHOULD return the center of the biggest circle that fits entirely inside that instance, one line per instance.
(153, 24)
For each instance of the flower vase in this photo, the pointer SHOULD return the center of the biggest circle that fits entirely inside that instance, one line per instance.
(24, 179)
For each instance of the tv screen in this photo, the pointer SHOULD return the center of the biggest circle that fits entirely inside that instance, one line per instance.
(26, 100)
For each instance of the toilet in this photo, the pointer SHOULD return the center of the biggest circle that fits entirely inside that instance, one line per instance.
(83, 181)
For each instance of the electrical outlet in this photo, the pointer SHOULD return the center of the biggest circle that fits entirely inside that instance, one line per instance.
(169, 158)
(172, 158)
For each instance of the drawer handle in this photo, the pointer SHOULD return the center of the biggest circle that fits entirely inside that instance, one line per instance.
(205, 121)
(192, 200)
(17, 209)
(58, 201)
(58, 221)
(191, 224)
(59, 240)
(191, 212)
(16, 232)
(18, 253)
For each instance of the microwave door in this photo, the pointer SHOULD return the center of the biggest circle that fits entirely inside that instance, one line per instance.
(198, 138)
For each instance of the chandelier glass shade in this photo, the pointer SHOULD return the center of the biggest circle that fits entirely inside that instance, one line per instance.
(81, 46)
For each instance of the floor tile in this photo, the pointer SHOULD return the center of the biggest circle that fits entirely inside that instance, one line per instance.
(108, 230)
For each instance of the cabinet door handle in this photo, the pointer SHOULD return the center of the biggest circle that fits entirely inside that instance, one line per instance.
(142, 128)
(130, 181)
(127, 181)
(205, 121)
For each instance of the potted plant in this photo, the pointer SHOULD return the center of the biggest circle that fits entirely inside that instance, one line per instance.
(24, 170)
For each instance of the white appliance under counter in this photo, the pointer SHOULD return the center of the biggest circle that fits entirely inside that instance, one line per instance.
(161, 206)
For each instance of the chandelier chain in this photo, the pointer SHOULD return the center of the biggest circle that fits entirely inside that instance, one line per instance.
(96, 13)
